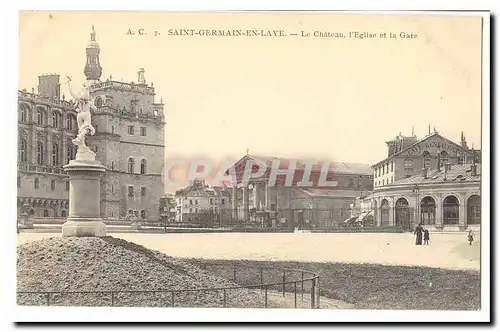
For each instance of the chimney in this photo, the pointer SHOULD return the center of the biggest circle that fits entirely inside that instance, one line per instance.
(424, 173)
(49, 86)
(140, 76)
(473, 169)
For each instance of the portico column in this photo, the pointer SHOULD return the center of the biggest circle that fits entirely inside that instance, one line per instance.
(235, 202)
(246, 214)
(439, 211)
(258, 196)
(462, 217)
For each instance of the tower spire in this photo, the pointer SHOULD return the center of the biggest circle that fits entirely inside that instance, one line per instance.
(93, 68)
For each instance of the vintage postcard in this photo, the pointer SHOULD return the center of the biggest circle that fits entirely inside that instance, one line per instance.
(329, 163)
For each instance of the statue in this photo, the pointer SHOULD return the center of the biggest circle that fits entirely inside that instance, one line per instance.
(84, 105)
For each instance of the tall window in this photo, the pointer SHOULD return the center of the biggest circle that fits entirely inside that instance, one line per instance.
(112, 165)
(444, 158)
(408, 165)
(55, 154)
(19, 182)
(143, 131)
(67, 186)
(71, 152)
(112, 129)
(392, 166)
(131, 164)
(143, 214)
(130, 191)
(55, 119)
(37, 183)
(22, 150)
(143, 166)
(39, 153)
(130, 130)
(40, 116)
(143, 191)
(52, 185)
(23, 116)
(70, 120)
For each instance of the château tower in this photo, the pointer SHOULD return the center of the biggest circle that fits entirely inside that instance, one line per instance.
(93, 68)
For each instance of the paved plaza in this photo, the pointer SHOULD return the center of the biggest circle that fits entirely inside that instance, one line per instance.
(446, 250)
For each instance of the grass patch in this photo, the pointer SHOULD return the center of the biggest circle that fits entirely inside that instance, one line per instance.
(370, 286)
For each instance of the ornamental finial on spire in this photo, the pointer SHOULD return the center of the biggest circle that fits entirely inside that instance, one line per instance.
(92, 34)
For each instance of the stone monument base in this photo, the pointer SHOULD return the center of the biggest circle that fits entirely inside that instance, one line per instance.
(85, 227)
(84, 196)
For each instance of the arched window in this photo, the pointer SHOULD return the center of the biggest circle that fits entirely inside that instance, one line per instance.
(98, 102)
(427, 162)
(39, 153)
(131, 164)
(55, 154)
(402, 213)
(63, 213)
(444, 158)
(143, 166)
(40, 116)
(450, 210)
(55, 119)
(24, 113)
(70, 122)
(384, 213)
(474, 210)
(46, 213)
(22, 150)
(428, 211)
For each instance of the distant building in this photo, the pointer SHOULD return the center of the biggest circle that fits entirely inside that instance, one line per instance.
(200, 203)
(289, 206)
(168, 207)
(432, 181)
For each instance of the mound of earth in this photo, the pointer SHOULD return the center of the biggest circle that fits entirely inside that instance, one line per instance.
(80, 264)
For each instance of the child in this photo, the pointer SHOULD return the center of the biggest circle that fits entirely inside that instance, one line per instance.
(470, 237)
(426, 237)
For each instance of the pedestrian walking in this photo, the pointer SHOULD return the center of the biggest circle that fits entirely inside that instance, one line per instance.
(426, 237)
(418, 231)
(470, 237)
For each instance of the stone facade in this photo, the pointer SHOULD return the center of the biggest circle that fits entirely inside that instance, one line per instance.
(129, 142)
(444, 194)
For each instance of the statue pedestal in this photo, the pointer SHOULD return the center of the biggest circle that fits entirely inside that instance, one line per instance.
(84, 197)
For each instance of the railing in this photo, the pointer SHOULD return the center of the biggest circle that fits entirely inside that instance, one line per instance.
(40, 169)
(267, 283)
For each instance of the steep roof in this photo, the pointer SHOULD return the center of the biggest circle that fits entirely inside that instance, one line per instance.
(457, 174)
(336, 167)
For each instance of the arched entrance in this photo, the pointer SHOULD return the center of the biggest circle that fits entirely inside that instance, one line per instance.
(46, 213)
(474, 210)
(450, 210)
(402, 214)
(428, 211)
(384, 213)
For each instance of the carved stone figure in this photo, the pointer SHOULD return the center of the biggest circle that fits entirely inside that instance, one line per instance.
(84, 105)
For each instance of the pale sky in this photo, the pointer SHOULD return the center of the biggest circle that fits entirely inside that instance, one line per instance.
(335, 99)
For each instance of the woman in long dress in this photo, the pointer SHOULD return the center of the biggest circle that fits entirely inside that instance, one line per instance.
(418, 231)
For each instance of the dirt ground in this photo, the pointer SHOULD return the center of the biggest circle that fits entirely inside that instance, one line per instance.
(446, 250)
